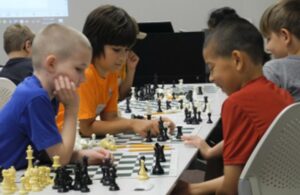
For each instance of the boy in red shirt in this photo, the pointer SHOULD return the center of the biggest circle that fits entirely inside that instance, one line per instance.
(252, 104)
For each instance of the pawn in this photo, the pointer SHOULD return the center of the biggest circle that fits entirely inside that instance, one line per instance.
(209, 118)
(179, 132)
(148, 138)
(200, 90)
(112, 177)
(85, 170)
(142, 172)
(23, 190)
(128, 109)
(159, 106)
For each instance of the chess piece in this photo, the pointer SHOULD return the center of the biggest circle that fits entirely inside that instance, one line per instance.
(174, 84)
(159, 106)
(23, 190)
(6, 183)
(161, 154)
(29, 156)
(112, 177)
(133, 94)
(61, 182)
(34, 180)
(157, 168)
(148, 138)
(105, 171)
(181, 103)
(142, 172)
(55, 164)
(77, 180)
(1, 176)
(168, 105)
(199, 116)
(200, 90)
(209, 118)
(179, 132)
(128, 109)
(85, 170)
(161, 135)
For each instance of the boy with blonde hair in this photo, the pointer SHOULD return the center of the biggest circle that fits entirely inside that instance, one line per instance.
(280, 25)
(60, 55)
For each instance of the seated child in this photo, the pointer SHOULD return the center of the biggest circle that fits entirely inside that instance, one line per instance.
(111, 32)
(236, 67)
(60, 55)
(280, 26)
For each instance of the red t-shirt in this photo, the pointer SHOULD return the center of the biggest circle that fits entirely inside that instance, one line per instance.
(247, 114)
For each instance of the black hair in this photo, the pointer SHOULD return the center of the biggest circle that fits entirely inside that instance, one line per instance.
(109, 25)
(237, 34)
(219, 15)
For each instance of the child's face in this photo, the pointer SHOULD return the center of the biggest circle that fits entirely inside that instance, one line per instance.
(276, 45)
(222, 71)
(113, 59)
(74, 66)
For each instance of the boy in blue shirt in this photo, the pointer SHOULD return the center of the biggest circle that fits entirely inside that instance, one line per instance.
(59, 55)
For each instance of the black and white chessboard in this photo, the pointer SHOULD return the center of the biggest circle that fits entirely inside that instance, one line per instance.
(131, 138)
(127, 164)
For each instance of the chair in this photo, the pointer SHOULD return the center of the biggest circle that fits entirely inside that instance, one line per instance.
(7, 87)
(274, 166)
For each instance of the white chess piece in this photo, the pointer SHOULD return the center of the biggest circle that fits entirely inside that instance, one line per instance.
(132, 94)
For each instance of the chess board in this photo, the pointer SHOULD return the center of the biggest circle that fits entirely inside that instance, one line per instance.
(131, 138)
(127, 164)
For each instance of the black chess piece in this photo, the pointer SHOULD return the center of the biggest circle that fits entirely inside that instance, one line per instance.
(166, 137)
(195, 119)
(1, 176)
(144, 159)
(128, 109)
(209, 118)
(181, 103)
(174, 84)
(85, 170)
(105, 171)
(159, 106)
(179, 132)
(112, 177)
(61, 182)
(168, 105)
(199, 116)
(200, 90)
(161, 135)
(149, 138)
(56, 180)
(161, 153)
(77, 180)
(157, 168)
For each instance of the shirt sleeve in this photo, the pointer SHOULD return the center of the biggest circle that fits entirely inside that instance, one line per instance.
(43, 131)
(240, 137)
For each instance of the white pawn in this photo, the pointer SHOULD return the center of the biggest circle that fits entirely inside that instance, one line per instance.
(132, 94)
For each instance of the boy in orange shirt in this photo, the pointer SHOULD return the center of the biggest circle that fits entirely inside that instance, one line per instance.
(111, 32)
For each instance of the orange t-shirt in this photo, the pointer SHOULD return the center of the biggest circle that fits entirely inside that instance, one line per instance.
(97, 95)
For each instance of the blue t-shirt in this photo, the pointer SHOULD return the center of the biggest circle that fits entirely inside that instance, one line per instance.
(27, 118)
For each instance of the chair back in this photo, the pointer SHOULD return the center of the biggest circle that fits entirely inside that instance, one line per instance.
(7, 87)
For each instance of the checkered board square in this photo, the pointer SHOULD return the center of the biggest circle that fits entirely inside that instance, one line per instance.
(131, 138)
(127, 164)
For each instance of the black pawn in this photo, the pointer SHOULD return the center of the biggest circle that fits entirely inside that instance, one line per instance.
(179, 132)
(200, 90)
(181, 103)
(199, 116)
(159, 106)
(112, 177)
(1, 176)
(209, 118)
(85, 170)
(77, 170)
(148, 138)
(128, 110)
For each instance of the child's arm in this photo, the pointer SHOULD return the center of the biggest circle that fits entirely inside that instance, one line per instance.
(231, 179)
(206, 151)
(65, 90)
(112, 124)
(124, 88)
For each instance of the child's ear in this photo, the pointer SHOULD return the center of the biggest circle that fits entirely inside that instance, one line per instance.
(285, 35)
(50, 63)
(237, 60)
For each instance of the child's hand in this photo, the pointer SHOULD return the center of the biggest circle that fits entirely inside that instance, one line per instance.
(65, 91)
(182, 188)
(199, 143)
(95, 155)
(132, 60)
(143, 126)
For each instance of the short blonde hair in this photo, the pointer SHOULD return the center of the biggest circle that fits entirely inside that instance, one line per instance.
(15, 36)
(59, 40)
(284, 14)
